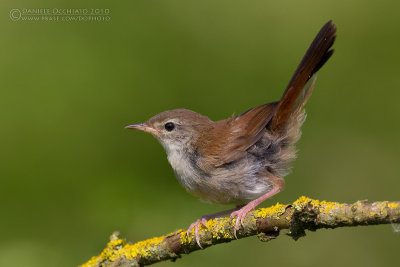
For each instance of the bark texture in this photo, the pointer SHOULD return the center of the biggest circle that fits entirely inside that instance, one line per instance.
(266, 223)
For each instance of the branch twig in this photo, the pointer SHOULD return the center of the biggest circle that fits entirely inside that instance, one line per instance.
(266, 223)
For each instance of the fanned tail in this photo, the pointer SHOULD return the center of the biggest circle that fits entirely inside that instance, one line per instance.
(301, 85)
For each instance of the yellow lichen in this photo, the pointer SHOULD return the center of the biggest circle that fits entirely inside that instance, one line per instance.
(273, 211)
(92, 262)
(382, 206)
(215, 226)
(108, 253)
(219, 228)
(379, 208)
(184, 238)
(323, 206)
(143, 248)
(302, 202)
(326, 207)
(116, 249)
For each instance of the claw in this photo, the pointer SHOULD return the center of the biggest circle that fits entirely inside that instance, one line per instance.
(242, 212)
(240, 217)
(196, 225)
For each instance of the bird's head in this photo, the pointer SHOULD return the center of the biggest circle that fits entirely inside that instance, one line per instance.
(175, 129)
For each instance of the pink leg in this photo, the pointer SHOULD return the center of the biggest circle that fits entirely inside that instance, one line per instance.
(242, 212)
(202, 221)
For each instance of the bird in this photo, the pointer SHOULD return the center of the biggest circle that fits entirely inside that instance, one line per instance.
(241, 160)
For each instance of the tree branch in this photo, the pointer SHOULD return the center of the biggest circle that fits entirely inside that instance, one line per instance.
(266, 223)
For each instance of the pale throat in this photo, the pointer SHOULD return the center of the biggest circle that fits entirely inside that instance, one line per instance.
(179, 158)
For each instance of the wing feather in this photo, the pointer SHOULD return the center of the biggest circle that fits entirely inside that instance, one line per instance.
(228, 140)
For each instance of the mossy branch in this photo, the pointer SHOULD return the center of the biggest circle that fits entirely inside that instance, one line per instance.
(266, 223)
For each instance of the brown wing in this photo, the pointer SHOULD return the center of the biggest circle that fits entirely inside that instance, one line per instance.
(229, 139)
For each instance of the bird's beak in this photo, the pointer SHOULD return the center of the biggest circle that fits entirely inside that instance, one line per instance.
(142, 127)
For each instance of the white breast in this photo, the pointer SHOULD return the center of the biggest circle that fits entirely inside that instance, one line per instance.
(186, 174)
(223, 186)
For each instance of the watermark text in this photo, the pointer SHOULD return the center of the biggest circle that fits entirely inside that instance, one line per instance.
(61, 14)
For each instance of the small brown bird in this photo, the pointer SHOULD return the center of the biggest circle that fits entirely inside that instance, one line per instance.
(241, 160)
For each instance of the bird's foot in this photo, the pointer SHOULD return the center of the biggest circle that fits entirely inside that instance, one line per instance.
(196, 225)
(241, 215)
(203, 221)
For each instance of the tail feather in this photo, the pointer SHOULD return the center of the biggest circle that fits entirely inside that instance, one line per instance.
(300, 86)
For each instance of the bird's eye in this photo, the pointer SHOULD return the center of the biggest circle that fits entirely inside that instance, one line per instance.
(169, 126)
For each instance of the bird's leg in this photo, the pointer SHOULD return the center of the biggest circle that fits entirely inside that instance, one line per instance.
(202, 221)
(240, 214)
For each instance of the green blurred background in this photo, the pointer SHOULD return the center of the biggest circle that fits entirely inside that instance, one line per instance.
(71, 174)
